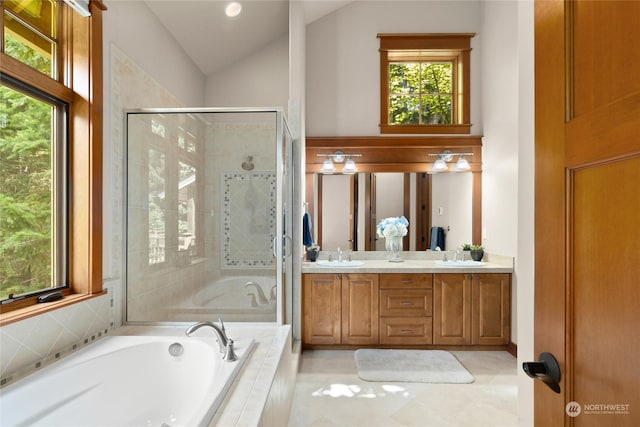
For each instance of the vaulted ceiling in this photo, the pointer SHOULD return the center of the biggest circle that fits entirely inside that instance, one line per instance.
(214, 41)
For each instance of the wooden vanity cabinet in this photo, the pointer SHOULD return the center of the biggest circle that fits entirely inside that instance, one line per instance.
(406, 309)
(472, 309)
(340, 309)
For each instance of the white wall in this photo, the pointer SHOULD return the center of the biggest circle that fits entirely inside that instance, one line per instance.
(500, 122)
(259, 80)
(343, 82)
(508, 169)
(525, 262)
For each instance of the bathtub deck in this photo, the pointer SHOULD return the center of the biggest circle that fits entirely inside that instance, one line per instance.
(247, 403)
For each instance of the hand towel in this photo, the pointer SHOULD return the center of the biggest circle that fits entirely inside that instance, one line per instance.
(437, 238)
(307, 236)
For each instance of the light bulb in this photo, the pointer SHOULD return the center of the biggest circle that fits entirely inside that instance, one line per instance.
(439, 166)
(349, 167)
(233, 9)
(462, 164)
(327, 167)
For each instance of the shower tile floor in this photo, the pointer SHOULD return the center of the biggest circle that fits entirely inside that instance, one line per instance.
(329, 393)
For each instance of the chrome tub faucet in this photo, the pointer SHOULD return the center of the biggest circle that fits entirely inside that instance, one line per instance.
(224, 343)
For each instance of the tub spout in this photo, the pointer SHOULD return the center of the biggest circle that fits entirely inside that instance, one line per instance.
(220, 333)
(262, 298)
(273, 293)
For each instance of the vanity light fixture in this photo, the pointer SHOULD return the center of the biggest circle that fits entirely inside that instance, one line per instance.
(233, 9)
(462, 164)
(328, 168)
(440, 165)
(349, 167)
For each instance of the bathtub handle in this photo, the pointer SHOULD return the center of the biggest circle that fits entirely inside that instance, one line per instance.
(253, 302)
(230, 355)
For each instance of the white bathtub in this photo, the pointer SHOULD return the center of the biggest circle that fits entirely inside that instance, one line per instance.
(230, 299)
(126, 381)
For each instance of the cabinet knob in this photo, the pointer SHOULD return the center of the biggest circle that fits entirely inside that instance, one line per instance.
(338, 277)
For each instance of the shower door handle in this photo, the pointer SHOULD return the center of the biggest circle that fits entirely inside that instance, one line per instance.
(285, 246)
(286, 251)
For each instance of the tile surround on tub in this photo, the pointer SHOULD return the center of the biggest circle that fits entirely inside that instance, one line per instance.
(37, 341)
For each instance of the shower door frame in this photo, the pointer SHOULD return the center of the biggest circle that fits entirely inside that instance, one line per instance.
(283, 247)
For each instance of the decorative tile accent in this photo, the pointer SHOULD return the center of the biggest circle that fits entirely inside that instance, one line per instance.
(249, 212)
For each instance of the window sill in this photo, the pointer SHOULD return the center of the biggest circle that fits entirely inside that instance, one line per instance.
(425, 129)
(37, 309)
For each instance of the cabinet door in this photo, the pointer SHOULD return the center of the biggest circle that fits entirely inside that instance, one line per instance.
(360, 309)
(491, 309)
(321, 307)
(452, 309)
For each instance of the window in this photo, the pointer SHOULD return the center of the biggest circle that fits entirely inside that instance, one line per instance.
(424, 83)
(33, 192)
(50, 148)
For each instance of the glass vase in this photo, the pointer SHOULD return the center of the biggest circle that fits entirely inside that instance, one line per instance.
(393, 245)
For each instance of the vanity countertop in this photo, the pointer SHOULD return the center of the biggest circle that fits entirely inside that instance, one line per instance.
(495, 264)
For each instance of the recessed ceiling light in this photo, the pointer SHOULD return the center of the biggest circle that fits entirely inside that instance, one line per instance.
(233, 9)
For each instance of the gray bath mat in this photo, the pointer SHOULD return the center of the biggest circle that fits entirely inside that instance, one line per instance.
(424, 366)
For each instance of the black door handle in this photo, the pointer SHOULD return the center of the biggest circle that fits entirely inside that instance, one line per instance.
(547, 370)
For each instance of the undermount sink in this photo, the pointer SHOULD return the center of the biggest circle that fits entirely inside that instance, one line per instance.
(326, 263)
(468, 263)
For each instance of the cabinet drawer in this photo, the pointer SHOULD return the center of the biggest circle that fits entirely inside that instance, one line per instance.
(405, 281)
(406, 330)
(406, 302)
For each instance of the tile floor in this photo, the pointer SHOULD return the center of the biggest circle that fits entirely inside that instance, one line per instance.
(329, 393)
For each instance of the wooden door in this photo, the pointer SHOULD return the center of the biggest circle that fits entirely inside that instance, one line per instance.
(321, 308)
(491, 309)
(587, 274)
(360, 309)
(452, 309)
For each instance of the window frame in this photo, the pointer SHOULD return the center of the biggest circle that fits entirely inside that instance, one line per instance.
(450, 47)
(79, 84)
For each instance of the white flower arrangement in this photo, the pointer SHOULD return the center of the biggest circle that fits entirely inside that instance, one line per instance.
(395, 226)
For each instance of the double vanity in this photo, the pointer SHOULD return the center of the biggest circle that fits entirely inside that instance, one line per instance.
(423, 302)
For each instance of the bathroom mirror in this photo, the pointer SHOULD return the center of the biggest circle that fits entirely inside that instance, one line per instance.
(394, 179)
(350, 207)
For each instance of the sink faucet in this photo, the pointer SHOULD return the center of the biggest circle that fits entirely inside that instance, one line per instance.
(262, 298)
(219, 330)
(339, 255)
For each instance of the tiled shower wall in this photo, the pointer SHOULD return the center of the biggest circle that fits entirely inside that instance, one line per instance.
(229, 242)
